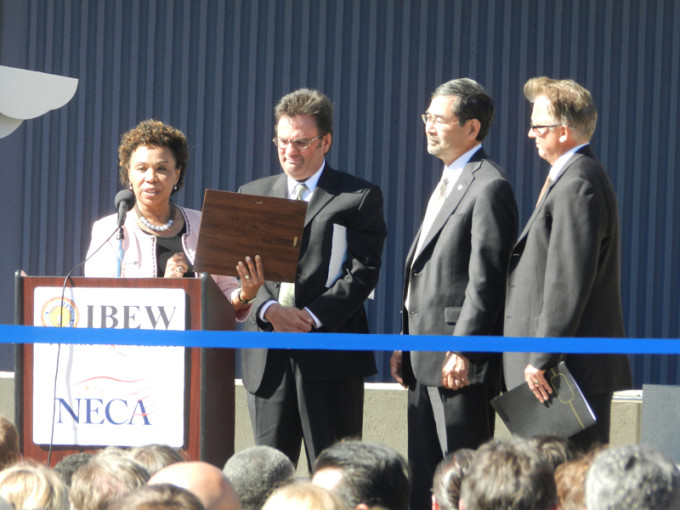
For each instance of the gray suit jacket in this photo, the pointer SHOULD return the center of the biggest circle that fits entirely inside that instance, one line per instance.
(564, 277)
(458, 279)
(356, 204)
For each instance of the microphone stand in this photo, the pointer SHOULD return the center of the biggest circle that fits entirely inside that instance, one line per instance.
(119, 253)
(124, 200)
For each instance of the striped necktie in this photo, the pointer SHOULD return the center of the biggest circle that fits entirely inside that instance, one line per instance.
(287, 290)
(544, 189)
(433, 207)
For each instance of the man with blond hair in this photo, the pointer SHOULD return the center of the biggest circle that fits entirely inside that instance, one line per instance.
(564, 271)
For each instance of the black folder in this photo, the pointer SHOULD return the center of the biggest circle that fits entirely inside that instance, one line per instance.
(564, 414)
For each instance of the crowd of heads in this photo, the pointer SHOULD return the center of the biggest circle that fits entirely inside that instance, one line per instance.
(542, 473)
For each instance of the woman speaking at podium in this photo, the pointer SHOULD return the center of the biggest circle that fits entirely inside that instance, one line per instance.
(159, 236)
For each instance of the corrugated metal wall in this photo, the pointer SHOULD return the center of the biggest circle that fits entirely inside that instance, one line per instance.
(215, 68)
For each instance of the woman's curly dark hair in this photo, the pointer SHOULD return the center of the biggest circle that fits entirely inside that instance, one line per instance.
(153, 133)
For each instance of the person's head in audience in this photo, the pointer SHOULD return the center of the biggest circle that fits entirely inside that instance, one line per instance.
(204, 480)
(570, 478)
(632, 477)
(28, 485)
(162, 496)
(303, 496)
(105, 478)
(155, 457)
(255, 473)
(364, 475)
(447, 479)
(508, 475)
(555, 449)
(9, 443)
(116, 451)
(70, 464)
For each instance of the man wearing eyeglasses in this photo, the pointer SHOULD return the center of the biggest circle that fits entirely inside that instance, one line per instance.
(454, 284)
(315, 395)
(564, 272)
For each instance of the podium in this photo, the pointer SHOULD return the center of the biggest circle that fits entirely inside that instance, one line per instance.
(208, 394)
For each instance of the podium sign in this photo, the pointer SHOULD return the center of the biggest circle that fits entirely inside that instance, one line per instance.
(109, 394)
(205, 374)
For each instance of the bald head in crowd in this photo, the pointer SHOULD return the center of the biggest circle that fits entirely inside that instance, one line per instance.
(203, 480)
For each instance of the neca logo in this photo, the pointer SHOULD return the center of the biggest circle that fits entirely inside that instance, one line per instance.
(96, 411)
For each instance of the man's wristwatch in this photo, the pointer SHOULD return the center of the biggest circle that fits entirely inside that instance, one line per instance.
(244, 301)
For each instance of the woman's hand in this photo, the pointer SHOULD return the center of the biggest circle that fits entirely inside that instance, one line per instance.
(251, 275)
(177, 265)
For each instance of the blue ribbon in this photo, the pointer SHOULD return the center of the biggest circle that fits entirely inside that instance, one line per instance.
(335, 341)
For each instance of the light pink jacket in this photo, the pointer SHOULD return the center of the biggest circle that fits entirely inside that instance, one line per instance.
(139, 258)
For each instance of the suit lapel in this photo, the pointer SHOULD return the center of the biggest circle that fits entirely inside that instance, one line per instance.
(452, 202)
(280, 188)
(582, 152)
(324, 192)
(534, 214)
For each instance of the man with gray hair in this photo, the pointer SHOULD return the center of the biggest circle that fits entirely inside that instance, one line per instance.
(632, 477)
(255, 473)
(107, 476)
(454, 284)
(508, 475)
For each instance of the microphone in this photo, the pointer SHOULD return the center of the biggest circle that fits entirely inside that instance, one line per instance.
(124, 201)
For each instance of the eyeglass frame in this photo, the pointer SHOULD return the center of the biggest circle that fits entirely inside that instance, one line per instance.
(436, 120)
(296, 143)
(536, 127)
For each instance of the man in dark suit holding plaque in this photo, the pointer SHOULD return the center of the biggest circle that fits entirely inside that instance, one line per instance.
(315, 395)
(454, 284)
(564, 271)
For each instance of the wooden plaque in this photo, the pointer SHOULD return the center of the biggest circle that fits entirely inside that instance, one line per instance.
(234, 225)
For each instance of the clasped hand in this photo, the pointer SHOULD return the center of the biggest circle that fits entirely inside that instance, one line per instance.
(288, 319)
(455, 371)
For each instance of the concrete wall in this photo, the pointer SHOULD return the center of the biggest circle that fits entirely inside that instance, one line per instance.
(385, 416)
(385, 419)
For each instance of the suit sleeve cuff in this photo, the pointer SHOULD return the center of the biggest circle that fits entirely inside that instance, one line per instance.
(317, 323)
(263, 309)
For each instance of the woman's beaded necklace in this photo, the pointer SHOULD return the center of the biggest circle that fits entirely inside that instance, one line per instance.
(157, 228)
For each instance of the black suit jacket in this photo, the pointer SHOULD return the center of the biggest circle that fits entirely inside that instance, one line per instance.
(338, 199)
(564, 277)
(458, 278)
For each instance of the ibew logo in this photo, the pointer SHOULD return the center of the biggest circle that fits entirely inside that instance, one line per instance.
(97, 411)
(129, 316)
